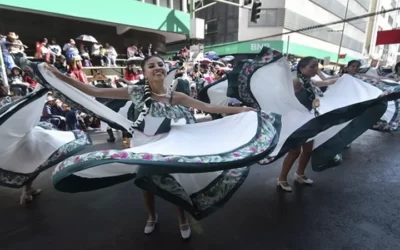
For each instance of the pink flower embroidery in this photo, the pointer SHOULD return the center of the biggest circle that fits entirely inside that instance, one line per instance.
(76, 159)
(168, 160)
(236, 154)
(115, 156)
(253, 149)
(198, 161)
(249, 70)
(147, 157)
(123, 155)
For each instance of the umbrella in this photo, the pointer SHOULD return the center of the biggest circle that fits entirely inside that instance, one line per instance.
(205, 61)
(228, 58)
(87, 38)
(212, 57)
(218, 63)
(133, 60)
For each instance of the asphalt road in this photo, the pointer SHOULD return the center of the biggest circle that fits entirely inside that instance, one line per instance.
(353, 206)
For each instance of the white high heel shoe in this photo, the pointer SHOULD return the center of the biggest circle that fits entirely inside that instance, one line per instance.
(300, 179)
(185, 233)
(150, 225)
(286, 188)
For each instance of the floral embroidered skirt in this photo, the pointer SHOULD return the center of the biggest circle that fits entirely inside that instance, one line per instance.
(347, 108)
(27, 146)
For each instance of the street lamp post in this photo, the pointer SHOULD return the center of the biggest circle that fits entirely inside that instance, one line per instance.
(341, 38)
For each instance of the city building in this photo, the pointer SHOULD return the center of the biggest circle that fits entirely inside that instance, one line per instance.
(119, 22)
(229, 30)
(384, 55)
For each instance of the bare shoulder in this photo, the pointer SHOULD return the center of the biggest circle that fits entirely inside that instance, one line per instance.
(296, 85)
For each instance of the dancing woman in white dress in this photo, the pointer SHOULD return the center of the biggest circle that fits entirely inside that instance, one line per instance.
(154, 71)
(307, 93)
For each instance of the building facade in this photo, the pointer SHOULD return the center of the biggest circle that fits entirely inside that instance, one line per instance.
(385, 55)
(120, 22)
(282, 16)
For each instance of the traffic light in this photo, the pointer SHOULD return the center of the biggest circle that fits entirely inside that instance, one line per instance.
(247, 2)
(255, 11)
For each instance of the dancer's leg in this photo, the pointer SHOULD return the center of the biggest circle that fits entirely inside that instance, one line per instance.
(28, 193)
(287, 165)
(111, 137)
(184, 226)
(305, 158)
(303, 162)
(149, 201)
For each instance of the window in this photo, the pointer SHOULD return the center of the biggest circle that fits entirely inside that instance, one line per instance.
(377, 49)
(211, 26)
(390, 20)
(383, 14)
(150, 1)
(177, 4)
(268, 17)
(164, 3)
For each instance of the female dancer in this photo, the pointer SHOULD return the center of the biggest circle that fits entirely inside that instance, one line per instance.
(396, 73)
(27, 149)
(28, 192)
(149, 128)
(305, 90)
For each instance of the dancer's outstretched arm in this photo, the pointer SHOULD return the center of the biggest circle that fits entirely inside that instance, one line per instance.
(325, 83)
(119, 93)
(178, 98)
(324, 78)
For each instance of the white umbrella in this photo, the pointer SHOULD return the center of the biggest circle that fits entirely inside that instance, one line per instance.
(228, 58)
(133, 60)
(219, 63)
(87, 38)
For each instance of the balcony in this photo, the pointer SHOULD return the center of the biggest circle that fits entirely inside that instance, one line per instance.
(124, 14)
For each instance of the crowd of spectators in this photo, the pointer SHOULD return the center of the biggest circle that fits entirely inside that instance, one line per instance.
(72, 57)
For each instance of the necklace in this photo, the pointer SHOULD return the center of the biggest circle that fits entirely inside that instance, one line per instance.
(159, 94)
(166, 92)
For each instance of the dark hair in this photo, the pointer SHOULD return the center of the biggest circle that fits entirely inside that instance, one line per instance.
(304, 62)
(396, 67)
(353, 62)
(143, 63)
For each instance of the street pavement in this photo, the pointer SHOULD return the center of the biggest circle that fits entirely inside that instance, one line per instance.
(353, 206)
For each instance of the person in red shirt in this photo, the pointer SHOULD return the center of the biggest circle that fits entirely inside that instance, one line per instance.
(131, 74)
(75, 70)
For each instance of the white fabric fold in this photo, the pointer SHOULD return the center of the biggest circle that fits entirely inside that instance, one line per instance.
(23, 145)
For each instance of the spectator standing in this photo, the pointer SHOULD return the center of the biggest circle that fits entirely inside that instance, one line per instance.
(70, 49)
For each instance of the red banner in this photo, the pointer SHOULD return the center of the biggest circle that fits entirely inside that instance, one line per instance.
(388, 37)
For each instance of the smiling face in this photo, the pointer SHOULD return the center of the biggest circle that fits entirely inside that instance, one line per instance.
(353, 68)
(154, 69)
(310, 69)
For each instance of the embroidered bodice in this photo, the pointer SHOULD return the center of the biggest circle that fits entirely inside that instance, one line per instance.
(158, 120)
